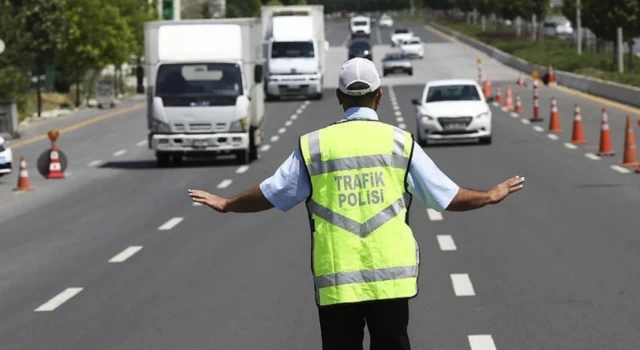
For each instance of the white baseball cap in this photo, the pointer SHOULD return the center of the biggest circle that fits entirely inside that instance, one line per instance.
(358, 70)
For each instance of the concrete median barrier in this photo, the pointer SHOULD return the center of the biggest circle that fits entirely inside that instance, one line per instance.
(627, 94)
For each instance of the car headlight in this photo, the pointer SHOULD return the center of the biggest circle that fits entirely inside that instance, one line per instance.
(366, 52)
(239, 125)
(483, 115)
(159, 126)
(426, 118)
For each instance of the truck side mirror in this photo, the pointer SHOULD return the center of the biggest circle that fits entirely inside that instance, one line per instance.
(258, 72)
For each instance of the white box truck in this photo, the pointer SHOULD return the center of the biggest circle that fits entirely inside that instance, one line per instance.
(295, 49)
(205, 93)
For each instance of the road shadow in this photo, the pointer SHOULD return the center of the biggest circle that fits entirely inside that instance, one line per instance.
(450, 144)
(605, 185)
(184, 164)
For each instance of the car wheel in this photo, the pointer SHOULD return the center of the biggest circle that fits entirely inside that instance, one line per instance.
(163, 159)
(243, 157)
(411, 72)
(486, 140)
(422, 142)
(177, 159)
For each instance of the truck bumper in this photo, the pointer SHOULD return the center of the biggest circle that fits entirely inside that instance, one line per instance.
(199, 142)
(294, 88)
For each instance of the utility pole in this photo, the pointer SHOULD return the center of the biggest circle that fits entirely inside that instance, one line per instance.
(579, 26)
(413, 9)
(620, 51)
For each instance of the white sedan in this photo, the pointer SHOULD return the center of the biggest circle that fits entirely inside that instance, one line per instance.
(452, 110)
(400, 35)
(6, 157)
(413, 47)
(385, 21)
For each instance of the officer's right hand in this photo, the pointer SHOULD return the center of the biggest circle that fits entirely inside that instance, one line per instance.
(216, 203)
(501, 191)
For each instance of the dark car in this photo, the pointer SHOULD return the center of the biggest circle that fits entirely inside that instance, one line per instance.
(360, 48)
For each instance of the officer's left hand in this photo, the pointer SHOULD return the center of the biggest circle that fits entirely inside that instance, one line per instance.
(216, 203)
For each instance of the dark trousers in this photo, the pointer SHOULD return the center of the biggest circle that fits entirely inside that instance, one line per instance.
(342, 325)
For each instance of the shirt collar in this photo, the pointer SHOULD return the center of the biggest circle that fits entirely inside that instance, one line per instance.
(360, 113)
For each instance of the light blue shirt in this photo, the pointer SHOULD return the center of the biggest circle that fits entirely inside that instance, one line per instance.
(289, 186)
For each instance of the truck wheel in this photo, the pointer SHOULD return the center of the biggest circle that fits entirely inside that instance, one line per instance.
(162, 159)
(318, 96)
(253, 147)
(242, 157)
(177, 159)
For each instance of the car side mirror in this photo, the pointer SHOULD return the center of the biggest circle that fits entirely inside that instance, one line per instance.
(258, 73)
(415, 102)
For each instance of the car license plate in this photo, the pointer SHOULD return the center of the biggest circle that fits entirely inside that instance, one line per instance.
(2, 160)
(398, 69)
(454, 126)
(200, 143)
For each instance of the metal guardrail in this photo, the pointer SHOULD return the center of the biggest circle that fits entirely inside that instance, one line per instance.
(627, 94)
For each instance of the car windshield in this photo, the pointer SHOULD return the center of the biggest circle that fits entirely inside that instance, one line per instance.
(401, 31)
(202, 84)
(292, 49)
(412, 42)
(453, 93)
(395, 57)
(360, 23)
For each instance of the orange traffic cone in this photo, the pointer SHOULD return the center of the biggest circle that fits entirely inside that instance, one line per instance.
(605, 136)
(23, 179)
(630, 157)
(55, 168)
(554, 119)
(519, 109)
(508, 101)
(577, 137)
(521, 83)
(552, 75)
(498, 94)
(487, 88)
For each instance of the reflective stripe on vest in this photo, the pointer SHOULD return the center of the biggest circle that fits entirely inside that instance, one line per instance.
(371, 255)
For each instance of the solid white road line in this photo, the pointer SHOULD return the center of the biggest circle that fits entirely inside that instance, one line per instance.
(282, 130)
(288, 123)
(125, 254)
(462, 285)
(402, 126)
(225, 183)
(514, 115)
(525, 121)
(570, 145)
(243, 169)
(481, 342)
(294, 117)
(399, 119)
(141, 143)
(553, 136)
(620, 169)
(446, 243)
(119, 153)
(592, 156)
(95, 163)
(265, 148)
(59, 299)
(538, 128)
(275, 138)
(434, 215)
(173, 222)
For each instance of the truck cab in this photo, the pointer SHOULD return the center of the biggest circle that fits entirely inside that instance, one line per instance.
(360, 26)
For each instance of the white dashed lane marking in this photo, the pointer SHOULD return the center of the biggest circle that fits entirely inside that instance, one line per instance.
(265, 148)
(243, 169)
(462, 285)
(173, 222)
(275, 138)
(525, 121)
(400, 119)
(95, 163)
(125, 254)
(225, 183)
(120, 153)
(58, 300)
(592, 156)
(538, 128)
(553, 136)
(620, 169)
(396, 108)
(398, 113)
(481, 342)
(196, 204)
(141, 143)
(514, 115)
(434, 215)
(504, 109)
(446, 243)
(299, 111)
(282, 130)
(288, 123)
(570, 145)
(294, 117)
(402, 126)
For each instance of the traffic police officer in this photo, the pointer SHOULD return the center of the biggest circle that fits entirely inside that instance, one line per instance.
(357, 177)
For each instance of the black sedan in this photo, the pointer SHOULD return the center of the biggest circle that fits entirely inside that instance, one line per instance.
(360, 48)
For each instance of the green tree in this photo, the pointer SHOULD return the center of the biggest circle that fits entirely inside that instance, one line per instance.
(14, 75)
(243, 8)
(42, 19)
(515, 8)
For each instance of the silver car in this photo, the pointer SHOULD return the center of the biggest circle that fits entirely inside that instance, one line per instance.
(396, 62)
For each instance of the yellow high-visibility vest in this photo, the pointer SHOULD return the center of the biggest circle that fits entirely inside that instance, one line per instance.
(362, 246)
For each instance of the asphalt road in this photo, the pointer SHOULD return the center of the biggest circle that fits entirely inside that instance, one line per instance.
(553, 267)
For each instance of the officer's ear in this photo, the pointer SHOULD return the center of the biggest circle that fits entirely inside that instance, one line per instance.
(339, 96)
(378, 97)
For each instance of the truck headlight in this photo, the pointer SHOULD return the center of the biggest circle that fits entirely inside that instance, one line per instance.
(426, 118)
(239, 125)
(483, 115)
(158, 126)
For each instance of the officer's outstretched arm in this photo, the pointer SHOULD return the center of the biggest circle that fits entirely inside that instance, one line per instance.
(252, 201)
(468, 199)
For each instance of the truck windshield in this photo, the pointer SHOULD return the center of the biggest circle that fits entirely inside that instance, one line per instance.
(360, 23)
(199, 84)
(292, 49)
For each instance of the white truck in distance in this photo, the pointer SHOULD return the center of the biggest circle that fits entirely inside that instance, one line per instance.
(204, 93)
(295, 48)
(360, 26)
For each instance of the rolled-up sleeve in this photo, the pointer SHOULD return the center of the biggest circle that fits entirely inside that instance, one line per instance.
(289, 186)
(426, 181)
